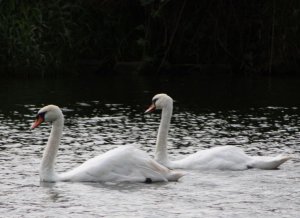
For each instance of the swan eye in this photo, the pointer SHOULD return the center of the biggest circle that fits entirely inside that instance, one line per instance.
(154, 100)
(42, 115)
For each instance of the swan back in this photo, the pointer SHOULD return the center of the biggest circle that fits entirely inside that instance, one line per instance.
(125, 163)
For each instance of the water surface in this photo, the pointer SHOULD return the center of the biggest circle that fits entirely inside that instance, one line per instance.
(108, 113)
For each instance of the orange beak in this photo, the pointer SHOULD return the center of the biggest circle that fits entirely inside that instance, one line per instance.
(151, 108)
(37, 122)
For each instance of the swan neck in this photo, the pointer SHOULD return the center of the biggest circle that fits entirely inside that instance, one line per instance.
(47, 171)
(162, 136)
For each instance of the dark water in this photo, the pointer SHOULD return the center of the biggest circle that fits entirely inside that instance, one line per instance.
(261, 116)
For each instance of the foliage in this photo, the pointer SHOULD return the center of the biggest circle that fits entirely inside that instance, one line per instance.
(242, 36)
(40, 35)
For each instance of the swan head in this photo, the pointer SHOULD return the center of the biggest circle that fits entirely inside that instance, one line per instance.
(49, 113)
(160, 101)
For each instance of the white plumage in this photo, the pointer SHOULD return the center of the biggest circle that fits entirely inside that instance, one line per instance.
(125, 163)
(223, 157)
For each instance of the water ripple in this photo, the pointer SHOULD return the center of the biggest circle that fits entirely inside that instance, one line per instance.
(92, 128)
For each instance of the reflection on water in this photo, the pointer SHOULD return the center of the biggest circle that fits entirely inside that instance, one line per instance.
(96, 125)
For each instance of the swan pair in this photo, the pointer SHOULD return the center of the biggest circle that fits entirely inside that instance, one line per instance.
(130, 164)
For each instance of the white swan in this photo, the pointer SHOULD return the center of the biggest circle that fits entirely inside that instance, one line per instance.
(125, 163)
(222, 157)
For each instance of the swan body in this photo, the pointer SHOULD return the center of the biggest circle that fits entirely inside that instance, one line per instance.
(222, 157)
(226, 158)
(123, 164)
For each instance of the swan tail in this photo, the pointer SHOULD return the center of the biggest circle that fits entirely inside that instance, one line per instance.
(268, 163)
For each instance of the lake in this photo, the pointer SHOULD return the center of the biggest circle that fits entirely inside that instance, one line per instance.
(260, 115)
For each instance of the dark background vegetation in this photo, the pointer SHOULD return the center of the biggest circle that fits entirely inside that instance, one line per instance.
(245, 37)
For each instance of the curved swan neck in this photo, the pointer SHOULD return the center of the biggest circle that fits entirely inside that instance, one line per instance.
(47, 172)
(161, 141)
